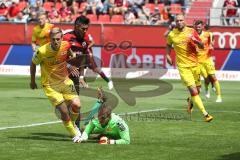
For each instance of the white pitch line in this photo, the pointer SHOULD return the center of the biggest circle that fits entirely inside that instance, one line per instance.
(29, 125)
(121, 114)
(54, 122)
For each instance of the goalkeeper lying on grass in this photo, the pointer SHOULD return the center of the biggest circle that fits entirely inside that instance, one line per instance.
(107, 124)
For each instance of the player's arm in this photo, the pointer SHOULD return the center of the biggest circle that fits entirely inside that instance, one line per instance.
(123, 132)
(168, 50)
(89, 128)
(196, 39)
(34, 41)
(212, 41)
(35, 60)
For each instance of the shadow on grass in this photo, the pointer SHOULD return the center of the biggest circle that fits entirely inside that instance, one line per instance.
(52, 137)
(31, 98)
(45, 136)
(232, 156)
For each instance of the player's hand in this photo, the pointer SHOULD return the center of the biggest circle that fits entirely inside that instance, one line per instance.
(169, 60)
(33, 85)
(82, 83)
(74, 71)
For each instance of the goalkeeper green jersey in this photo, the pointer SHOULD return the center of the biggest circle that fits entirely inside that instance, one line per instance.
(116, 129)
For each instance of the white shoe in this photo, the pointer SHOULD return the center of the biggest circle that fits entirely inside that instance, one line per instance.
(207, 94)
(219, 99)
(214, 89)
(77, 131)
(76, 139)
(110, 85)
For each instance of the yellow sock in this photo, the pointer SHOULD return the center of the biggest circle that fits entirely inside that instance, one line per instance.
(198, 102)
(218, 89)
(70, 128)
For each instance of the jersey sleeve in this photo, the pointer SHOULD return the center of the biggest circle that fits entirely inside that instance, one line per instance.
(169, 39)
(89, 128)
(37, 58)
(195, 34)
(34, 36)
(123, 132)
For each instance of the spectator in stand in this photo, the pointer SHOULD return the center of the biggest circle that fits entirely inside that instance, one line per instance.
(129, 17)
(54, 16)
(119, 7)
(75, 8)
(65, 12)
(155, 18)
(39, 7)
(229, 11)
(94, 6)
(13, 10)
(136, 5)
(165, 15)
(20, 18)
(32, 17)
(3, 12)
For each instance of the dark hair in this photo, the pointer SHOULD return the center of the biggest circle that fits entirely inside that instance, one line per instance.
(197, 22)
(207, 27)
(81, 20)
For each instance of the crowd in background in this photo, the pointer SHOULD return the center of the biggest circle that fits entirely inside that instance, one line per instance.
(231, 12)
(152, 12)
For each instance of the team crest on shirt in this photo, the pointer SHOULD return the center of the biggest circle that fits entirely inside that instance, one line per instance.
(84, 44)
(108, 130)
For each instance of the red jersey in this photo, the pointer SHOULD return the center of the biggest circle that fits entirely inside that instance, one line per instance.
(79, 45)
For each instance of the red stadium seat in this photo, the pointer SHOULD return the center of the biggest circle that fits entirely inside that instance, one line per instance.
(104, 19)
(58, 5)
(75, 16)
(48, 6)
(117, 19)
(93, 18)
(151, 6)
(160, 6)
(22, 5)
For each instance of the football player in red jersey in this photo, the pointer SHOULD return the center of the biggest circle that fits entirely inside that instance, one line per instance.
(82, 43)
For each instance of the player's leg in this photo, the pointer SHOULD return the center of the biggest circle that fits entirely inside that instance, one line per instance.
(217, 86)
(57, 100)
(206, 80)
(70, 95)
(93, 66)
(66, 119)
(211, 72)
(188, 76)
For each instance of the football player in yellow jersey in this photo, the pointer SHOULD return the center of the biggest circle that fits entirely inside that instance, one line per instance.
(184, 41)
(205, 60)
(41, 32)
(54, 78)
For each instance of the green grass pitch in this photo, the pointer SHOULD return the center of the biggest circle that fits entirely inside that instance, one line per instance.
(167, 134)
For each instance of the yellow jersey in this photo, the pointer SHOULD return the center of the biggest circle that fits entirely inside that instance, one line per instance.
(53, 63)
(185, 49)
(42, 35)
(204, 54)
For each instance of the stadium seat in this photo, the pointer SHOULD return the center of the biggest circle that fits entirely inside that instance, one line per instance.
(48, 6)
(104, 19)
(93, 18)
(151, 6)
(175, 9)
(160, 6)
(58, 5)
(22, 5)
(117, 19)
(75, 16)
